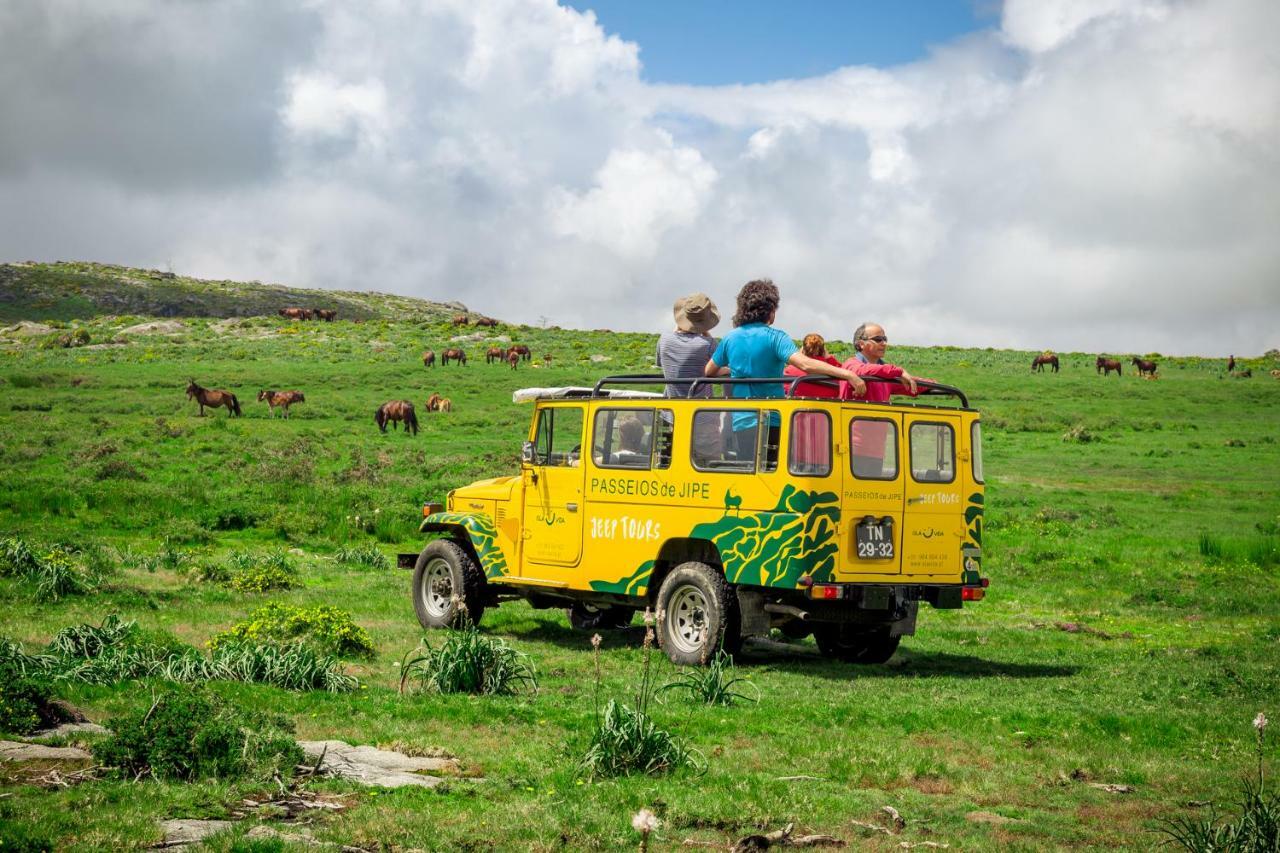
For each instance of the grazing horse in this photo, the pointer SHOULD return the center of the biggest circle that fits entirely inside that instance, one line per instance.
(283, 399)
(446, 405)
(433, 403)
(520, 350)
(546, 359)
(1247, 373)
(452, 355)
(513, 359)
(396, 411)
(1231, 364)
(295, 313)
(428, 358)
(1106, 365)
(486, 321)
(213, 399)
(494, 354)
(1041, 360)
(1145, 368)
(461, 320)
(326, 314)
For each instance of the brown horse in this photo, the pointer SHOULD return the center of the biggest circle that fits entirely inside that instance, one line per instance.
(513, 359)
(461, 320)
(396, 411)
(296, 313)
(520, 350)
(1145, 368)
(546, 359)
(1106, 365)
(494, 354)
(452, 355)
(1041, 360)
(428, 358)
(1231, 364)
(446, 405)
(326, 314)
(283, 399)
(433, 403)
(486, 321)
(213, 399)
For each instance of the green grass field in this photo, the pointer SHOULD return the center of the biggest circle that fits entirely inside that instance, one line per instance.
(1130, 635)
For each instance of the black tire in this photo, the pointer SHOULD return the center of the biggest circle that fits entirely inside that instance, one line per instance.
(856, 643)
(448, 586)
(699, 614)
(588, 617)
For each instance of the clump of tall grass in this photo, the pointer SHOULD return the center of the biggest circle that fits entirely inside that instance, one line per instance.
(714, 684)
(262, 573)
(1256, 829)
(1262, 550)
(293, 666)
(367, 556)
(626, 739)
(52, 573)
(468, 662)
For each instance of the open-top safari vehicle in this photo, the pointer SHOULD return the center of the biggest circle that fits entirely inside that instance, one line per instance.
(725, 516)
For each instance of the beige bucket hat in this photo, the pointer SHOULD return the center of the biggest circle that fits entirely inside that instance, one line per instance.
(696, 313)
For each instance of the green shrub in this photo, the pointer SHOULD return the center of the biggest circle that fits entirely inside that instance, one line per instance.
(118, 469)
(362, 555)
(1079, 435)
(53, 573)
(713, 684)
(258, 573)
(191, 734)
(25, 692)
(17, 559)
(89, 641)
(327, 629)
(468, 662)
(23, 838)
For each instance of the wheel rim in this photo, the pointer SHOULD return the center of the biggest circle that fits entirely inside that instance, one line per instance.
(437, 588)
(686, 619)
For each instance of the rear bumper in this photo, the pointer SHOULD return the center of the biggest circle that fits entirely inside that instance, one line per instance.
(888, 596)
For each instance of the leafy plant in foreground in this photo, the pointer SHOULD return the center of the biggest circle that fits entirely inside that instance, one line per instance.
(713, 684)
(25, 691)
(468, 662)
(1256, 830)
(326, 628)
(194, 735)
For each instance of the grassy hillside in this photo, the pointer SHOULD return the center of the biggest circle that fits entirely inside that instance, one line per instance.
(80, 290)
(1130, 636)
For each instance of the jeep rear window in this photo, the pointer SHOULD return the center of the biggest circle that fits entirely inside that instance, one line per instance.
(874, 448)
(717, 446)
(559, 436)
(976, 439)
(810, 451)
(933, 453)
(632, 438)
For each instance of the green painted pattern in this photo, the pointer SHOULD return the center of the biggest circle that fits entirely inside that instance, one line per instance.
(775, 548)
(973, 521)
(483, 535)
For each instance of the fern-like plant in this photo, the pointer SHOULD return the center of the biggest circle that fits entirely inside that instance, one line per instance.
(468, 662)
(717, 683)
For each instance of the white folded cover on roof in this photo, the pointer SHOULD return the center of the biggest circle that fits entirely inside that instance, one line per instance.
(525, 395)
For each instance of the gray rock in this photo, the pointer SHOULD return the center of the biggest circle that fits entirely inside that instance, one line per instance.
(178, 833)
(372, 766)
(73, 729)
(14, 751)
(159, 327)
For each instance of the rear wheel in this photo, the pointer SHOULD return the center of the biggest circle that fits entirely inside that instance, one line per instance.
(589, 617)
(855, 643)
(698, 614)
(448, 586)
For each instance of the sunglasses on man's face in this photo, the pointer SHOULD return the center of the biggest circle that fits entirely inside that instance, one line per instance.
(880, 339)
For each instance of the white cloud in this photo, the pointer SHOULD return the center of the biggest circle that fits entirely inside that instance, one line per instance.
(1093, 174)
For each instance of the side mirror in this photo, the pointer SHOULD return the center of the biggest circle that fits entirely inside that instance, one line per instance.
(526, 452)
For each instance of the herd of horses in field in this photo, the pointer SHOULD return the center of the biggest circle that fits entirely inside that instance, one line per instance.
(1146, 369)
(326, 314)
(512, 356)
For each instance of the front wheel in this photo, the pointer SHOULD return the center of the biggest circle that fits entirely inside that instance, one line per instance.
(697, 614)
(448, 586)
(856, 644)
(588, 617)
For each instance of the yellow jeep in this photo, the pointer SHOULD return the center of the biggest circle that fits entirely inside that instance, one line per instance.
(727, 517)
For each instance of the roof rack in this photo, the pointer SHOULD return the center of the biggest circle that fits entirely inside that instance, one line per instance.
(927, 388)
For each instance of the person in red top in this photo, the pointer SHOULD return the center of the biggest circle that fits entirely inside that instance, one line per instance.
(870, 438)
(815, 346)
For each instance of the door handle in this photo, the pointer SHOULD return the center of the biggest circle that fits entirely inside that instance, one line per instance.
(571, 507)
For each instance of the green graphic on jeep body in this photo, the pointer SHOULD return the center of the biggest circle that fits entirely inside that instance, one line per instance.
(973, 518)
(776, 548)
(483, 535)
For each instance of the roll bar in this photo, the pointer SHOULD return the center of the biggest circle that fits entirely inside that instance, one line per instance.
(927, 388)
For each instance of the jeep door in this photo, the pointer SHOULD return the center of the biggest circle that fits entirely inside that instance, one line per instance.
(552, 516)
(871, 504)
(934, 528)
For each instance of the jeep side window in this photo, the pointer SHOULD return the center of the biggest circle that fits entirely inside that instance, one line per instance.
(627, 438)
(874, 449)
(976, 440)
(933, 457)
(558, 437)
(810, 451)
(720, 444)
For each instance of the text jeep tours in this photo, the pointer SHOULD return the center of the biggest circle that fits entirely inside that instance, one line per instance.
(727, 517)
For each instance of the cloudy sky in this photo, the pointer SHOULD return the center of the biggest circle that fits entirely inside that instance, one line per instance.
(1095, 175)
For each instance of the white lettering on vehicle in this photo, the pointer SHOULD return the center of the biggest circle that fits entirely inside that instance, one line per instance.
(641, 529)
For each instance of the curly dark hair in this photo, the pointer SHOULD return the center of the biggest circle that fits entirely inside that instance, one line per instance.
(756, 301)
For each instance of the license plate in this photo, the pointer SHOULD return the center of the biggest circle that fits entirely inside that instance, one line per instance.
(874, 539)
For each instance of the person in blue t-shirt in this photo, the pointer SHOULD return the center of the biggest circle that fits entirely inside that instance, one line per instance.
(756, 350)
